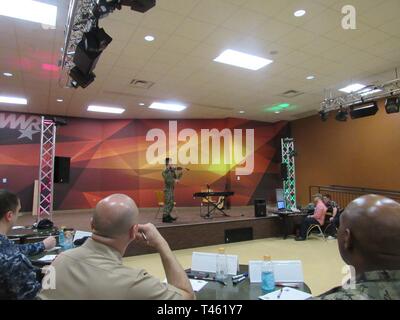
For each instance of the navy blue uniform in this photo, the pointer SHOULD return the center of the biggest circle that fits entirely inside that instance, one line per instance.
(17, 275)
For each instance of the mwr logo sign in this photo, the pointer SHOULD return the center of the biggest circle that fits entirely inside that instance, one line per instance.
(26, 124)
(196, 148)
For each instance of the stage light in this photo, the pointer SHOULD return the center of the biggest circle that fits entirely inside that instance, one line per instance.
(323, 115)
(392, 105)
(342, 115)
(96, 40)
(363, 110)
(80, 79)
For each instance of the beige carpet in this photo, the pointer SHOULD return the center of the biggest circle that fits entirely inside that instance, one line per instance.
(322, 263)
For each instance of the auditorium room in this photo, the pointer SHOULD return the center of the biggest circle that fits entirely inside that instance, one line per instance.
(199, 150)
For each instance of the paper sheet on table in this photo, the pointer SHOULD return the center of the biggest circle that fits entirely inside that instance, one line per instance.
(48, 258)
(207, 262)
(285, 271)
(81, 234)
(197, 285)
(18, 227)
(53, 249)
(286, 294)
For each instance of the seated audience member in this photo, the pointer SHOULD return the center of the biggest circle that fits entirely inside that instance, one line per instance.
(334, 210)
(96, 271)
(18, 278)
(331, 205)
(317, 218)
(368, 239)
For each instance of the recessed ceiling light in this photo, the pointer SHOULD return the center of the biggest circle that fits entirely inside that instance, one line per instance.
(300, 13)
(310, 78)
(167, 106)
(242, 60)
(105, 109)
(277, 112)
(149, 38)
(352, 88)
(30, 10)
(60, 100)
(13, 100)
(141, 104)
(241, 111)
(7, 74)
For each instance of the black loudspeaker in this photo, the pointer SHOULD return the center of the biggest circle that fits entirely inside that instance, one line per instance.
(260, 208)
(61, 169)
(237, 235)
(284, 171)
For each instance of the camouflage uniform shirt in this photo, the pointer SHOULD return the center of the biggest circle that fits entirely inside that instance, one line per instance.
(375, 285)
(17, 275)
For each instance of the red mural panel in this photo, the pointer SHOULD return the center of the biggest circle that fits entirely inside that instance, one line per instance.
(112, 156)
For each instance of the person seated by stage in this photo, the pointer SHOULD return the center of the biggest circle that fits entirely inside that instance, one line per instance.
(317, 218)
(334, 211)
(368, 240)
(18, 278)
(171, 176)
(95, 270)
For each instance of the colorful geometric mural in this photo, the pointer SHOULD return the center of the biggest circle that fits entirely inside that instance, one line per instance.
(113, 156)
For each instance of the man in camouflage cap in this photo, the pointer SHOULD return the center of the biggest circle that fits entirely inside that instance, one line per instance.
(17, 275)
(171, 176)
(369, 241)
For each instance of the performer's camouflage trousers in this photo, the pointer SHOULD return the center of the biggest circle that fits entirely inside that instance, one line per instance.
(168, 202)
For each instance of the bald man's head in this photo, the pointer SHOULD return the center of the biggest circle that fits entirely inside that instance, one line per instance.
(114, 216)
(369, 233)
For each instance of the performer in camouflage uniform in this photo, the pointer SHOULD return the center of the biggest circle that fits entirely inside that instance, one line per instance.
(18, 278)
(369, 238)
(171, 176)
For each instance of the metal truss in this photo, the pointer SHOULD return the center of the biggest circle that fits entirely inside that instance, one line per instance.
(46, 169)
(369, 93)
(289, 185)
(79, 20)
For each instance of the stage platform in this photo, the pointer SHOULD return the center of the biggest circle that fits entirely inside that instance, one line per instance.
(190, 230)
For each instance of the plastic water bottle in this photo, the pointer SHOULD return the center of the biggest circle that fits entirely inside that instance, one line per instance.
(61, 238)
(222, 265)
(267, 275)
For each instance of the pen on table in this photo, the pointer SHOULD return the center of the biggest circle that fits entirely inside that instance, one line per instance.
(239, 280)
(279, 295)
(240, 276)
(144, 236)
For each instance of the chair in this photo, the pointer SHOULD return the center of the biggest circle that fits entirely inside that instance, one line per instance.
(206, 201)
(160, 202)
(315, 226)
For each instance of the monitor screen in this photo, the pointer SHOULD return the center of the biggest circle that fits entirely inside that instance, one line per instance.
(281, 204)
